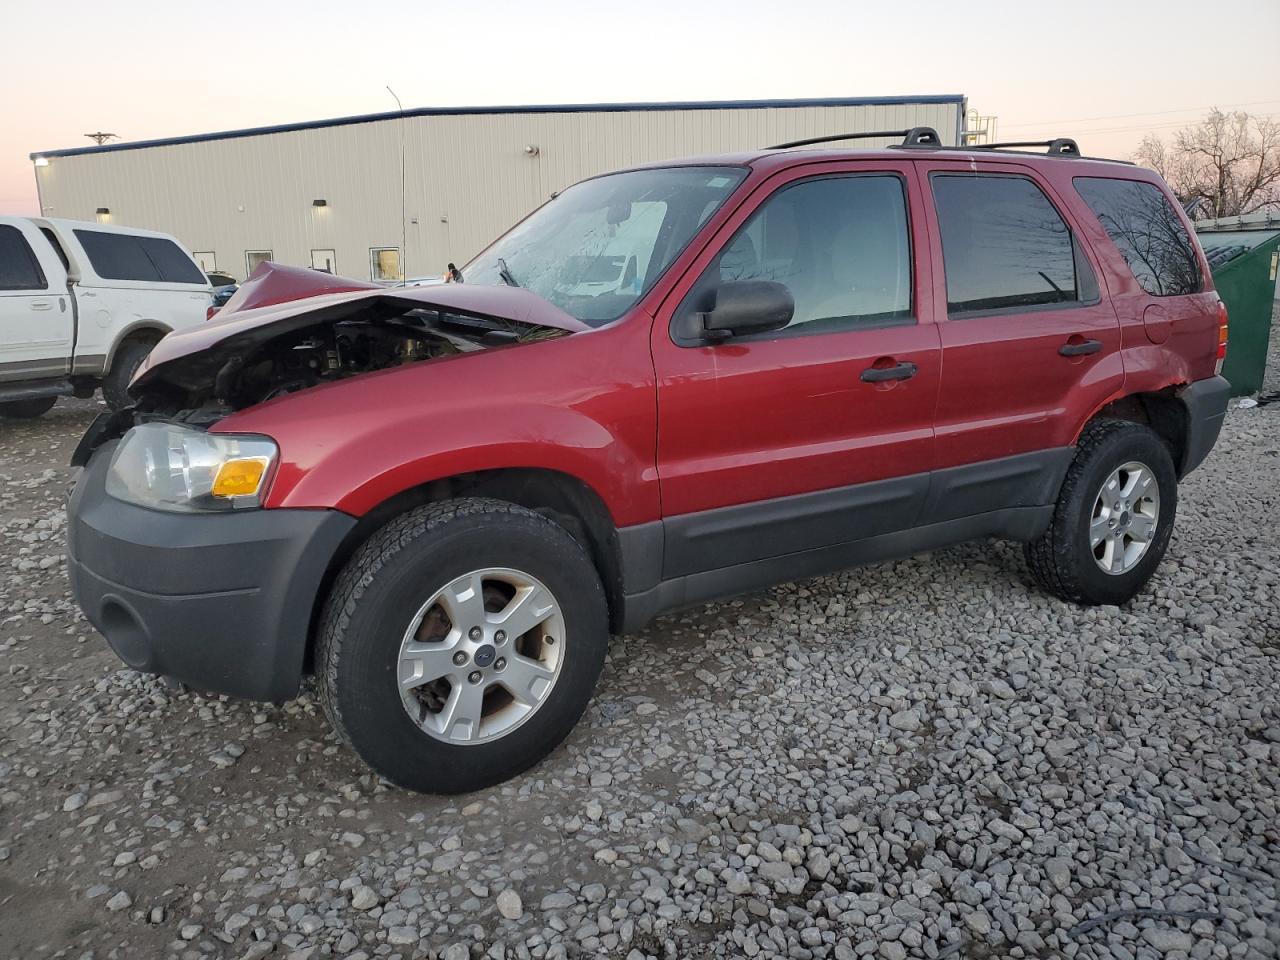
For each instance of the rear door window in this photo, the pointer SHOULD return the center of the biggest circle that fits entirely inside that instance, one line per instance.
(1004, 245)
(123, 256)
(19, 268)
(1147, 231)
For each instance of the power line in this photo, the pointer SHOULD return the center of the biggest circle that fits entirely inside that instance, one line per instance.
(1152, 126)
(1124, 116)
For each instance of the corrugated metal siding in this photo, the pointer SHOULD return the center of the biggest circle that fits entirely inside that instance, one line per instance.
(467, 177)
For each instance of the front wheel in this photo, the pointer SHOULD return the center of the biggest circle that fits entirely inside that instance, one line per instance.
(461, 644)
(1113, 519)
(128, 358)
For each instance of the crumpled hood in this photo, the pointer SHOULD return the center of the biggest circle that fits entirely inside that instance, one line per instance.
(278, 299)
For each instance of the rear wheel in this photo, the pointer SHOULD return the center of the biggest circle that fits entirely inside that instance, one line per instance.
(27, 409)
(1113, 519)
(461, 644)
(127, 360)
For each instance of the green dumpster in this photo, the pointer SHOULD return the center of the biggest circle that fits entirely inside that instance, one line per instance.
(1244, 254)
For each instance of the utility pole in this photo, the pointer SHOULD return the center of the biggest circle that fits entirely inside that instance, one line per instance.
(100, 137)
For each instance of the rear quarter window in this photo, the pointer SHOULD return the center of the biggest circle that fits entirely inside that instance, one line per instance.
(174, 265)
(1147, 231)
(19, 269)
(123, 256)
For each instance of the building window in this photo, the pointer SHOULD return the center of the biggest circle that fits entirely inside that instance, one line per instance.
(252, 258)
(207, 259)
(384, 264)
(324, 260)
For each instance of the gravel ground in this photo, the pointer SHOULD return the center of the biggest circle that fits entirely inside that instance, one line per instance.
(921, 759)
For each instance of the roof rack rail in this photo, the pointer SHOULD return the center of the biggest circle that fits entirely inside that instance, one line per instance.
(1060, 147)
(915, 137)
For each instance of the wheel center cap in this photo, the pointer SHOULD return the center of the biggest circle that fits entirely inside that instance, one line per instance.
(485, 655)
(1124, 519)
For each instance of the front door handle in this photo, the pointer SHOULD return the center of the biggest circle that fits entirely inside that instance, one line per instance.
(1080, 348)
(41, 304)
(900, 371)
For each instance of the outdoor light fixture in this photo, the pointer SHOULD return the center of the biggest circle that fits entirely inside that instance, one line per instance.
(104, 212)
(42, 161)
(319, 203)
(531, 150)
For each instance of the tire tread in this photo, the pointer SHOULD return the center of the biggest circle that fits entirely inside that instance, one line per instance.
(1049, 557)
(369, 560)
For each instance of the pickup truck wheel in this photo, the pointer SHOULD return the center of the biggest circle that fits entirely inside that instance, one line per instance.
(27, 409)
(1113, 519)
(128, 358)
(461, 644)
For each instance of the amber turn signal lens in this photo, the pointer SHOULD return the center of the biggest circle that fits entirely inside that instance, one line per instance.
(239, 478)
(1223, 326)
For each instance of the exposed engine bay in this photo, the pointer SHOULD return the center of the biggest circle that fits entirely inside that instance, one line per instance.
(289, 329)
(378, 335)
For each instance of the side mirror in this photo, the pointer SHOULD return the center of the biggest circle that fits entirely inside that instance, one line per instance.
(748, 306)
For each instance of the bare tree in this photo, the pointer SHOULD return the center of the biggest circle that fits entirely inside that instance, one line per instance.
(1227, 165)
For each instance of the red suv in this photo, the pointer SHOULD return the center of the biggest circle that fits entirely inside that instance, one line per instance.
(666, 385)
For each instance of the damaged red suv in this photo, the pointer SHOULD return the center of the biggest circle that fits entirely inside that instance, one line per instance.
(667, 385)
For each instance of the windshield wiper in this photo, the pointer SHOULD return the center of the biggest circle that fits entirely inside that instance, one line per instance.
(505, 273)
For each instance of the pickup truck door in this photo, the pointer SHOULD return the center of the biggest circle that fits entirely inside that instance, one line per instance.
(37, 324)
(821, 433)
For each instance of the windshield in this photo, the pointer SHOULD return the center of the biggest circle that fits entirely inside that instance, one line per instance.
(599, 246)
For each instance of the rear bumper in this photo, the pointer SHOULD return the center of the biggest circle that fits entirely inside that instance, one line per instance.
(1206, 405)
(221, 601)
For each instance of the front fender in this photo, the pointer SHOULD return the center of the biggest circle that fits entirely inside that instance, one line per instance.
(376, 465)
(583, 405)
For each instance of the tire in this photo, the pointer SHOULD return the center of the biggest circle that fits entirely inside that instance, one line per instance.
(380, 597)
(128, 357)
(1065, 561)
(27, 409)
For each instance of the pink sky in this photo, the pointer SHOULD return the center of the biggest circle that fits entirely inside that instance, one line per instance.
(1103, 72)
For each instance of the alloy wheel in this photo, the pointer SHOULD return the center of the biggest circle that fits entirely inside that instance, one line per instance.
(1126, 514)
(481, 656)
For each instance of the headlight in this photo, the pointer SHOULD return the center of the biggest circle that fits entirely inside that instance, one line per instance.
(170, 467)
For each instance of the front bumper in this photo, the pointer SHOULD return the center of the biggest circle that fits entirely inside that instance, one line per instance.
(1206, 406)
(220, 601)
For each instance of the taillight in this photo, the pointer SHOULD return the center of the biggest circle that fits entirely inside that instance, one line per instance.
(1222, 336)
(208, 314)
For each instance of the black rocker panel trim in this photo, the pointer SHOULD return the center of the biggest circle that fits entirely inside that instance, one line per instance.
(717, 553)
(710, 539)
(1023, 480)
(1017, 523)
(752, 531)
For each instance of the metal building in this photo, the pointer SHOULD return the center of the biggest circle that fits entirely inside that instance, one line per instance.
(329, 194)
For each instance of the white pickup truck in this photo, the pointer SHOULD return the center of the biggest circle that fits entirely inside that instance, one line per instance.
(81, 305)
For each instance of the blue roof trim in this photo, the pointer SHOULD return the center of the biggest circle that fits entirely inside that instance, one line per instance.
(955, 98)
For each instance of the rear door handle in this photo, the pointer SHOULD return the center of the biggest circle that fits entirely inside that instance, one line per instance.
(901, 371)
(1080, 348)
